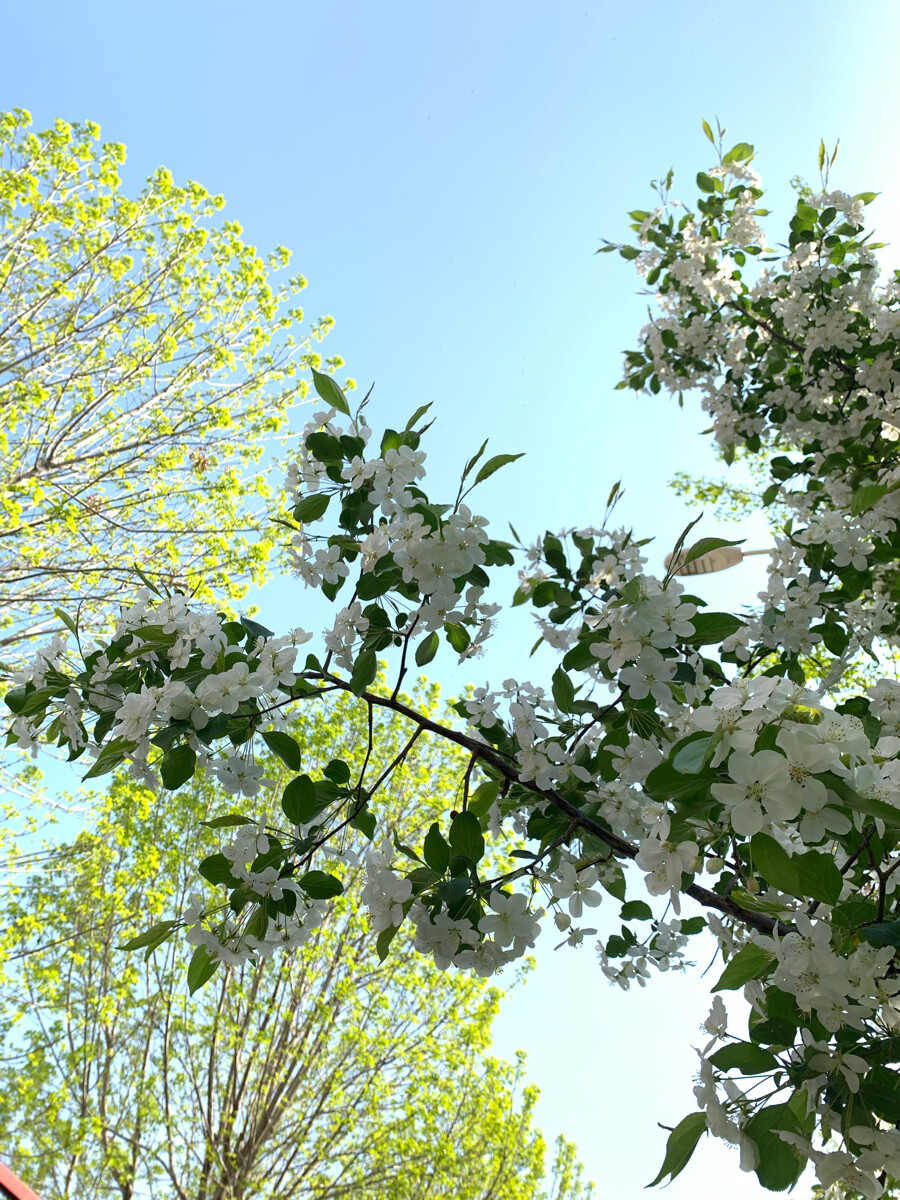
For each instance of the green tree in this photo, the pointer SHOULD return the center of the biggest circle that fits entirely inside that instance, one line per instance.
(317, 1074)
(146, 360)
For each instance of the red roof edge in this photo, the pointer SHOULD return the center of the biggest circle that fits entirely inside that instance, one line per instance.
(13, 1187)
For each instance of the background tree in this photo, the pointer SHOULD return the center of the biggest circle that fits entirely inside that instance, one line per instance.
(317, 1074)
(146, 357)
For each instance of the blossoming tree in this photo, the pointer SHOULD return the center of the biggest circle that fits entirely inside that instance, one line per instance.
(685, 742)
(147, 357)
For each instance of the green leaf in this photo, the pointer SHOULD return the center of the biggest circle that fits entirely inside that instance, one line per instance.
(473, 460)
(750, 963)
(16, 699)
(319, 885)
(423, 878)
(365, 822)
(708, 132)
(330, 392)
(494, 464)
(835, 637)
(466, 836)
(427, 649)
(739, 153)
(300, 801)
(681, 1144)
(284, 746)
(337, 771)
(820, 877)
(435, 850)
(693, 925)
(775, 864)
(201, 969)
(780, 1164)
(705, 182)
(864, 804)
(364, 671)
(384, 939)
(746, 1057)
(226, 822)
(325, 448)
(420, 412)
(881, 1092)
(217, 869)
(690, 755)
(665, 783)
(867, 497)
(312, 508)
(457, 636)
(756, 904)
(150, 938)
(636, 910)
(706, 546)
(712, 628)
(563, 690)
(177, 767)
(109, 758)
(66, 620)
(255, 629)
(882, 933)
(482, 799)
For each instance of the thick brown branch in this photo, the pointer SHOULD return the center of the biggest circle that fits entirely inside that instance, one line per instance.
(620, 846)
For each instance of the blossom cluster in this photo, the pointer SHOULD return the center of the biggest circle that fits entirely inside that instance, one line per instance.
(714, 759)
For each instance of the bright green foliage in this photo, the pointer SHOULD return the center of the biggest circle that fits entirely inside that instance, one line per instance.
(146, 357)
(320, 1073)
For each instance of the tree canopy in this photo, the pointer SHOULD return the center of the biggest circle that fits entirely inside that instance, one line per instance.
(317, 1074)
(148, 356)
(674, 758)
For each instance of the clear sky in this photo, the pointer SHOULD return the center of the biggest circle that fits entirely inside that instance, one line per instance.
(444, 173)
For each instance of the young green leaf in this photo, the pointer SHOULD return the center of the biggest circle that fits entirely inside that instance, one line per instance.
(300, 801)
(364, 671)
(427, 649)
(746, 1057)
(177, 767)
(217, 869)
(681, 1145)
(284, 747)
(330, 392)
(365, 822)
(420, 412)
(466, 836)
(319, 885)
(775, 864)
(312, 508)
(150, 938)
(563, 690)
(750, 963)
(494, 464)
(201, 969)
(226, 822)
(383, 941)
(435, 850)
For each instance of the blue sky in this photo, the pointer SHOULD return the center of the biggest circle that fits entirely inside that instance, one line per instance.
(444, 174)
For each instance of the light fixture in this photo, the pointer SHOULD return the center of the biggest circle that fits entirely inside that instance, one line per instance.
(719, 559)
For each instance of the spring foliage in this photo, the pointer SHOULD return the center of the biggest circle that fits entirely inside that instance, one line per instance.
(147, 355)
(314, 1074)
(688, 743)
